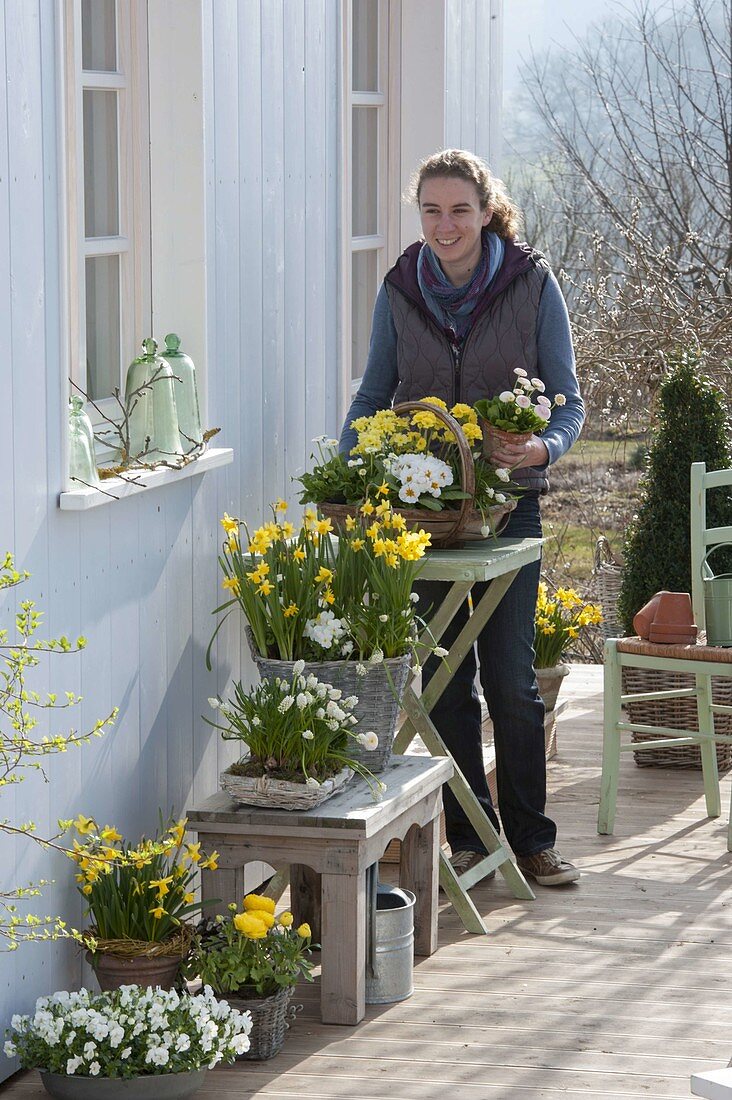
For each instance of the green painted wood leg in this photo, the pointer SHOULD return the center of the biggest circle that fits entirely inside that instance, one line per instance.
(707, 746)
(477, 817)
(610, 739)
(461, 901)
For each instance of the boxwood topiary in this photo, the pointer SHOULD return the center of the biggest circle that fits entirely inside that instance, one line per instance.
(693, 426)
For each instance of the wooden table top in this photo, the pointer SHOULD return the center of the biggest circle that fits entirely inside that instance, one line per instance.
(480, 561)
(408, 779)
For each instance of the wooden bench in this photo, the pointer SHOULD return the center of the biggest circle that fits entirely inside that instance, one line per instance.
(338, 841)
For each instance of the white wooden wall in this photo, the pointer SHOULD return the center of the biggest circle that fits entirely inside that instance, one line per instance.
(473, 77)
(139, 577)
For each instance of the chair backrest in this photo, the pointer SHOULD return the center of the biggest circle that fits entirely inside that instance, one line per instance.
(703, 537)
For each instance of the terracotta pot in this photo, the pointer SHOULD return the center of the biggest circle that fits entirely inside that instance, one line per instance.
(667, 617)
(494, 437)
(550, 681)
(113, 971)
(158, 1086)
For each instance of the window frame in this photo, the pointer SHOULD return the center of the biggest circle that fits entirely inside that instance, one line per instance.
(386, 241)
(133, 243)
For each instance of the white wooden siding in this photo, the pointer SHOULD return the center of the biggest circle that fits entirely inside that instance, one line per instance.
(473, 77)
(139, 578)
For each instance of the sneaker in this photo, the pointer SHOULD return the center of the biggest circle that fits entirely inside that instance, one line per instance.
(465, 860)
(548, 868)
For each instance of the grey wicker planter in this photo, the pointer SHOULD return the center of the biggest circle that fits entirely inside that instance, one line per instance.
(378, 701)
(269, 1022)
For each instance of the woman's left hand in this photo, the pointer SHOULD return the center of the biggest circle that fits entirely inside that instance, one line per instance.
(514, 455)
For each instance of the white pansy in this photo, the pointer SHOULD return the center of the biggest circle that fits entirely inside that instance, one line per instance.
(72, 1064)
(94, 1069)
(10, 1050)
(182, 1043)
(90, 1050)
(347, 648)
(355, 462)
(503, 474)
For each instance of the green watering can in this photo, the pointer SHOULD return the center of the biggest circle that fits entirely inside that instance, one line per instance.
(717, 602)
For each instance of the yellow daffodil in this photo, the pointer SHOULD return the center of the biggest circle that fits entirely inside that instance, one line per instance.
(358, 544)
(291, 610)
(231, 584)
(328, 597)
(178, 831)
(288, 529)
(211, 862)
(110, 834)
(265, 588)
(350, 523)
(158, 912)
(86, 890)
(324, 576)
(193, 851)
(281, 506)
(324, 526)
(383, 489)
(161, 885)
(189, 898)
(229, 524)
(299, 554)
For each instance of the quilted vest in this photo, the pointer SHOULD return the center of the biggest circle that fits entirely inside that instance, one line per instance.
(501, 338)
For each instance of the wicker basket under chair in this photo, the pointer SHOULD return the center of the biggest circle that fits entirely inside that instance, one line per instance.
(269, 1022)
(674, 713)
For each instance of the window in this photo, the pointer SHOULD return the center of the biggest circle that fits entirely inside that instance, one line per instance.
(370, 206)
(108, 202)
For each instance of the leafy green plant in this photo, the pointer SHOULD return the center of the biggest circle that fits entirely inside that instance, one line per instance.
(693, 426)
(23, 747)
(252, 951)
(297, 730)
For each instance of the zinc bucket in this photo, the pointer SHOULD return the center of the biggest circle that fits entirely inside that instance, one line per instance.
(390, 948)
(717, 604)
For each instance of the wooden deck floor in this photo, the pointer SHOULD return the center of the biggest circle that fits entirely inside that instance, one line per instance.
(617, 987)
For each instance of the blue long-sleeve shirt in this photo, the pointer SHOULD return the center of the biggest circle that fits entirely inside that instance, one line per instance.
(555, 367)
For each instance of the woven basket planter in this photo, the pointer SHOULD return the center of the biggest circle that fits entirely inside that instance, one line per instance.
(674, 713)
(378, 701)
(451, 526)
(269, 1022)
(261, 790)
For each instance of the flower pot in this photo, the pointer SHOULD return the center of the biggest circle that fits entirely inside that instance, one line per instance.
(261, 790)
(550, 681)
(494, 438)
(113, 971)
(269, 1021)
(157, 1086)
(378, 701)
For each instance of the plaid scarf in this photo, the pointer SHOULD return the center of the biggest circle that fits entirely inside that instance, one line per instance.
(452, 306)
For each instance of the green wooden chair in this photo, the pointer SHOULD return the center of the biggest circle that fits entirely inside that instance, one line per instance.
(700, 660)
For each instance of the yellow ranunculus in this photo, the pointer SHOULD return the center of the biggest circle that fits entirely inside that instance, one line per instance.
(285, 919)
(259, 901)
(250, 925)
(263, 915)
(304, 931)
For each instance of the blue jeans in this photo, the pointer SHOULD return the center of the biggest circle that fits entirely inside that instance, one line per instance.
(506, 655)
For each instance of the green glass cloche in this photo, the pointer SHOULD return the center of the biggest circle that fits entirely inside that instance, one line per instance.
(82, 460)
(151, 408)
(186, 392)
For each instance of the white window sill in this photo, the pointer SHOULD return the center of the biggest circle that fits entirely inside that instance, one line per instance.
(79, 500)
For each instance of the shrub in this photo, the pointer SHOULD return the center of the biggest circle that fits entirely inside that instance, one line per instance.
(693, 426)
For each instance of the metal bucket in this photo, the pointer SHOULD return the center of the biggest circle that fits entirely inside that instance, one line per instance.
(390, 947)
(717, 603)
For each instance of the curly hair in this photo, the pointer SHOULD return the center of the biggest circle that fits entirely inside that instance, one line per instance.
(459, 164)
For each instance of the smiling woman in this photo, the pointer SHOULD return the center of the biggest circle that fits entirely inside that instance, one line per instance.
(459, 316)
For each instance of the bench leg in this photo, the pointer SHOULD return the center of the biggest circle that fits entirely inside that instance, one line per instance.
(418, 872)
(305, 891)
(343, 954)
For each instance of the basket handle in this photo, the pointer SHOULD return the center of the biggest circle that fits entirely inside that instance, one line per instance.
(603, 554)
(467, 466)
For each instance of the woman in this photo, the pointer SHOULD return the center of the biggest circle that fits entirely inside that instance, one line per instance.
(454, 318)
